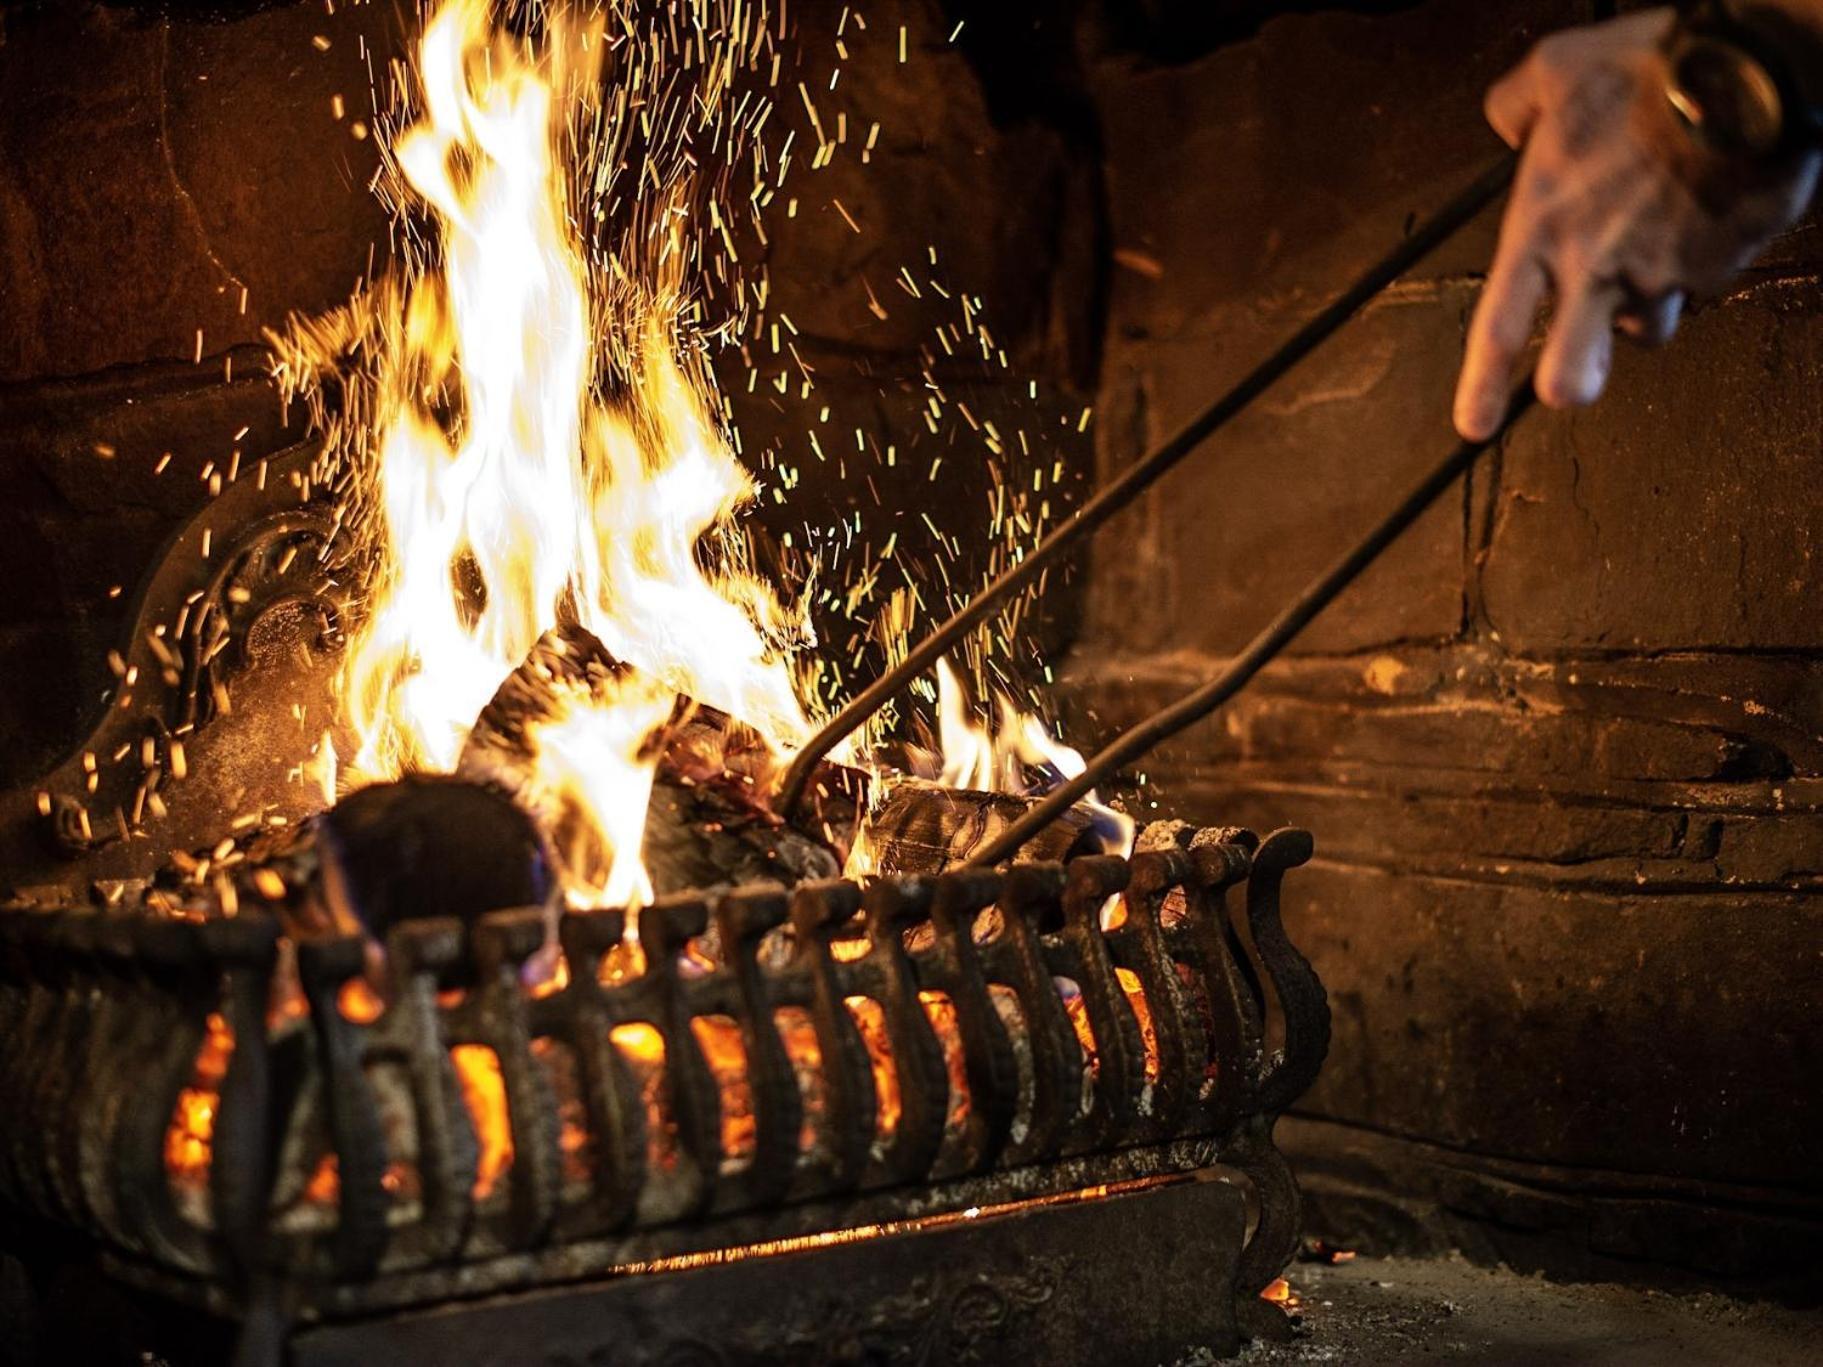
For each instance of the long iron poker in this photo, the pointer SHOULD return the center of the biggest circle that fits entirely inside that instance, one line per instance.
(1137, 479)
(1277, 634)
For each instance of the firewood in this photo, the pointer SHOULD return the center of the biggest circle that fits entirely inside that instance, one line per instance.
(428, 845)
(492, 835)
(707, 823)
(568, 669)
(424, 845)
(922, 827)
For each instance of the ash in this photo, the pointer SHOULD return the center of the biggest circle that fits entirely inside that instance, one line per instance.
(1413, 1312)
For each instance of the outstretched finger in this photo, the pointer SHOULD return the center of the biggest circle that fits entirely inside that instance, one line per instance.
(1500, 329)
(1579, 349)
(1512, 103)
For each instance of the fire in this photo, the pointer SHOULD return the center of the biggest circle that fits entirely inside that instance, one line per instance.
(529, 438)
(719, 1037)
(358, 1002)
(799, 1035)
(941, 1012)
(870, 1021)
(598, 760)
(1018, 756)
(484, 1093)
(1142, 1012)
(643, 1048)
(539, 448)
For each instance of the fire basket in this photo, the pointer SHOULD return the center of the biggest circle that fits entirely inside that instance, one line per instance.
(830, 1120)
(963, 1044)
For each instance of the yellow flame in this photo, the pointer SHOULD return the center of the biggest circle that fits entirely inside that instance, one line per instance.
(508, 490)
(527, 416)
(593, 758)
(1018, 756)
(969, 754)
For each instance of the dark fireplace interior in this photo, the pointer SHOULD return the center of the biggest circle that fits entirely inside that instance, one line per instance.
(1559, 751)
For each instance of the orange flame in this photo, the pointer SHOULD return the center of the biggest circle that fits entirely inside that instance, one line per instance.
(484, 1093)
(507, 490)
(1018, 756)
(190, 1135)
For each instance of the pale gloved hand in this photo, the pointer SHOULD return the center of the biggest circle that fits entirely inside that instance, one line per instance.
(1616, 211)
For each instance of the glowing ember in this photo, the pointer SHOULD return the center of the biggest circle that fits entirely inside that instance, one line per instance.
(484, 1093)
(358, 1002)
(190, 1137)
(719, 1037)
(1142, 1012)
(552, 983)
(942, 1013)
(643, 1048)
(325, 1185)
(1280, 1293)
(1077, 1009)
(799, 1034)
(870, 1020)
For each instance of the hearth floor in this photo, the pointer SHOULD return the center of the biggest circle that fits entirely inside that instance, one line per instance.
(1376, 1312)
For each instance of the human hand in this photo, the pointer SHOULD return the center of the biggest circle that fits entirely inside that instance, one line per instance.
(1616, 211)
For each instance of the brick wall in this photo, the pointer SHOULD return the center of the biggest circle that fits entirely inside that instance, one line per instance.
(168, 188)
(1560, 749)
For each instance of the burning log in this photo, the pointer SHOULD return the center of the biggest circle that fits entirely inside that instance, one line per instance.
(565, 729)
(923, 827)
(514, 826)
(423, 846)
(706, 823)
(428, 845)
(699, 835)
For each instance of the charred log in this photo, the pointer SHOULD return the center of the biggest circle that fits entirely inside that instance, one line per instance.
(923, 827)
(429, 845)
(708, 822)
